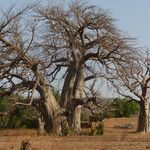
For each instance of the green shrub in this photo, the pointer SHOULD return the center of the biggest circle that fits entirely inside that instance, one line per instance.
(124, 108)
(84, 116)
(85, 133)
(67, 131)
(101, 116)
(98, 130)
(93, 131)
(22, 117)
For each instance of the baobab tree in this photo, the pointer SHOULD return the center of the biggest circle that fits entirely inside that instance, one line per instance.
(23, 67)
(35, 50)
(133, 81)
(85, 41)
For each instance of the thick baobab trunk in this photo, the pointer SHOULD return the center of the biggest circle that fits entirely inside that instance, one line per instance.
(77, 119)
(78, 92)
(52, 113)
(144, 117)
(73, 89)
(67, 91)
(67, 94)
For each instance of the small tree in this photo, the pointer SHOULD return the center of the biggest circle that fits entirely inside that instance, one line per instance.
(133, 81)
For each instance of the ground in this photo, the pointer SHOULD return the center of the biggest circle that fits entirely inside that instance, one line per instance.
(116, 137)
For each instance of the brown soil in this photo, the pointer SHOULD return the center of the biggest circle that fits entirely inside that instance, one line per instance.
(115, 137)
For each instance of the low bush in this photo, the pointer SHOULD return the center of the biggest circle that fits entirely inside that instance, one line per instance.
(67, 132)
(98, 130)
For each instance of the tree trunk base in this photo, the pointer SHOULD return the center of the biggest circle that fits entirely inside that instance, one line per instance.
(25, 145)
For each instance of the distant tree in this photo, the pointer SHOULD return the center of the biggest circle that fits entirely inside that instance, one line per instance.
(20, 117)
(133, 81)
(124, 107)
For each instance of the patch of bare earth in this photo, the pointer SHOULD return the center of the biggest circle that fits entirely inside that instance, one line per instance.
(115, 138)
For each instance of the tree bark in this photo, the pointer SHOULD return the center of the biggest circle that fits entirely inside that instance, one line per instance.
(77, 119)
(67, 94)
(78, 93)
(144, 117)
(41, 125)
(73, 89)
(53, 114)
(67, 91)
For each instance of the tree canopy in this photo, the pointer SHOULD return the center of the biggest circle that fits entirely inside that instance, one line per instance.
(75, 46)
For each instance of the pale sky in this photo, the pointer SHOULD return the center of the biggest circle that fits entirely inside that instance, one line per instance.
(133, 16)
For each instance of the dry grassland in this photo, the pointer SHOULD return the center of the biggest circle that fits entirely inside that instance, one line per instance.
(113, 139)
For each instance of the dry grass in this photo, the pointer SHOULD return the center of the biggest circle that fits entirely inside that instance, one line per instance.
(113, 139)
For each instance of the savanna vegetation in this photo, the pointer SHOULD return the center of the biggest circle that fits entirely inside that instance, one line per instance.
(74, 46)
